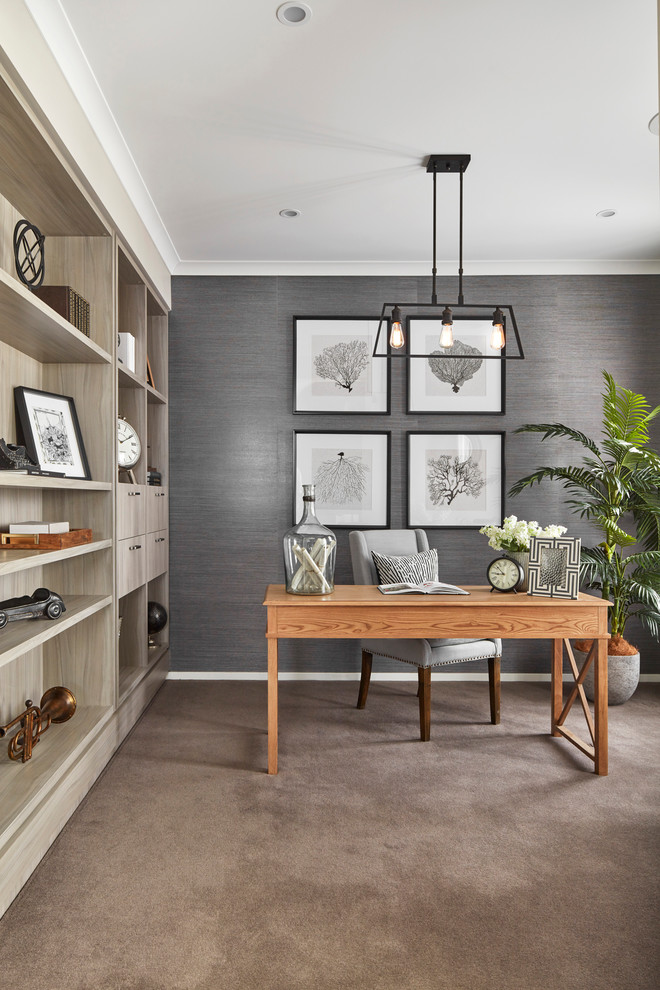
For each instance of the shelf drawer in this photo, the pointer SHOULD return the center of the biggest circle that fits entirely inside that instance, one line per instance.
(131, 564)
(131, 510)
(157, 508)
(157, 553)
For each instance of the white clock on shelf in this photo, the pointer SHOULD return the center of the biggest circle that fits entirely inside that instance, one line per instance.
(129, 448)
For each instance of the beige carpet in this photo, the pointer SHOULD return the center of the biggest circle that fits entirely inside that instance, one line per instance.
(490, 857)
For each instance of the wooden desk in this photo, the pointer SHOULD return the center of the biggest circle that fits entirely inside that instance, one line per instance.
(362, 612)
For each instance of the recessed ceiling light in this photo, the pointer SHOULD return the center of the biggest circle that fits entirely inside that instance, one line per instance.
(606, 213)
(654, 126)
(289, 214)
(293, 14)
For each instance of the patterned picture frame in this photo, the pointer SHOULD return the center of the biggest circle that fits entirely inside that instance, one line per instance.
(554, 566)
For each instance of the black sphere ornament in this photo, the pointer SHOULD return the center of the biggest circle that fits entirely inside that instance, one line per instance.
(156, 617)
(29, 253)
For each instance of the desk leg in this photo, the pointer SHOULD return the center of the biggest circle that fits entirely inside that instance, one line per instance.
(556, 688)
(600, 709)
(272, 706)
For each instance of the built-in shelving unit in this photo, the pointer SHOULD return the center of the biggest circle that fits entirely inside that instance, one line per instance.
(112, 675)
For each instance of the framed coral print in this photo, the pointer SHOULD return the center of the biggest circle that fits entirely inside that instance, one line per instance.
(455, 480)
(51, 432)
(334, 371)
(456, 385)
(554, 566)
(351, 472)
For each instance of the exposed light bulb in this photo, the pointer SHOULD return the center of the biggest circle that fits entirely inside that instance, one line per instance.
(497, 340)
(397, 339)
(446, 335)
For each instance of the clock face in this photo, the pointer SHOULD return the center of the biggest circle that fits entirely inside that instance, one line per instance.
(504, 574)
(129, 447)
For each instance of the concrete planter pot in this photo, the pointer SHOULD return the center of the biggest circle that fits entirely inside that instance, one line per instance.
(622, 677)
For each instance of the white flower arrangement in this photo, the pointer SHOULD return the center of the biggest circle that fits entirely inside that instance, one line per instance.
(515, 534)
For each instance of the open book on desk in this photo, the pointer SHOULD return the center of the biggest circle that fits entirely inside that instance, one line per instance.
(425, 588)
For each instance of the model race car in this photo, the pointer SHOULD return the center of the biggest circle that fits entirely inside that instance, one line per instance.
(42, 603)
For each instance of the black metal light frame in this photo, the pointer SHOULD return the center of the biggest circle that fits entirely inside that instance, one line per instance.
(445, 164)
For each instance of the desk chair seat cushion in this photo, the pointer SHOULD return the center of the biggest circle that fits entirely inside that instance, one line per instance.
(422, 653)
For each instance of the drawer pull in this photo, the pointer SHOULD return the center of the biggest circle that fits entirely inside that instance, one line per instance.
(131, 494)
(159, 494)
(136, 546)
(161, 539)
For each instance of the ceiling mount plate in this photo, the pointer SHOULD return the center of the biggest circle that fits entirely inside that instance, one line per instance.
(448, 163)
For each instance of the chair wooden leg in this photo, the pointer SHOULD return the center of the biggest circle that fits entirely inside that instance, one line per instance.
(424, 694)
(365, 677)
(494, 688)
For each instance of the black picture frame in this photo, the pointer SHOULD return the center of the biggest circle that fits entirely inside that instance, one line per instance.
(48, 426)
(310, 466)
(483, 393)
(318, 394)
(428, 512)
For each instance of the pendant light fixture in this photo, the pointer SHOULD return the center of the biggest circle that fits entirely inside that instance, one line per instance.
(500, 315)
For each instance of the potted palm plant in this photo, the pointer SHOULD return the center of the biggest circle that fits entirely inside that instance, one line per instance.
(616, 488)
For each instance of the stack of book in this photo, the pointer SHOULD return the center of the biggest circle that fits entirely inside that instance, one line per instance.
(68, 303)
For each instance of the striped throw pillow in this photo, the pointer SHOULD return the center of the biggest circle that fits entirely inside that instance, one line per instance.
(413, 569)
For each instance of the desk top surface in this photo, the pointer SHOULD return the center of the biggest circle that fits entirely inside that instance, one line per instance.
(368, 594)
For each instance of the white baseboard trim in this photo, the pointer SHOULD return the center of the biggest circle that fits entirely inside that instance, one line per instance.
(237, 675)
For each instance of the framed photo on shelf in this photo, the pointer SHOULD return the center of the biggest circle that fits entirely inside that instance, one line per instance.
(554, 566)
(334, 371)
(441, 384)
(351, 472)
(455, 480)
(51, 432)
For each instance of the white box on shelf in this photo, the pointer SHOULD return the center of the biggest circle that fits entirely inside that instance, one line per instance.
(38, 526)
(126, 350)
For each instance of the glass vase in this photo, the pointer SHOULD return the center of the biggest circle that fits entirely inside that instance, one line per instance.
(309, 553)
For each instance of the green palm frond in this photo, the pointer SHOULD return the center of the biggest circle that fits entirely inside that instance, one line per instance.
(573, 478)
(626, 414)
(649, 619)
(559, 430)
(645, 561)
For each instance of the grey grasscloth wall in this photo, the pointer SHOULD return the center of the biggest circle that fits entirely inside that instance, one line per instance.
(231, 347)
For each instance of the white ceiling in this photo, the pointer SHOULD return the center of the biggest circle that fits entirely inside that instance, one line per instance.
(229, 116)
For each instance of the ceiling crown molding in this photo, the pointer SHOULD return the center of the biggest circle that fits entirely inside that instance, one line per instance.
(417, 269)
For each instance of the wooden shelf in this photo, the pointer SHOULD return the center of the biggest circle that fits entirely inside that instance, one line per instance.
(128, 379)
(11, 479)
(34, 177)
(34, 329)
(12, 561)
(19, 637)
(153, 395)
(24, 785)
(130, 677)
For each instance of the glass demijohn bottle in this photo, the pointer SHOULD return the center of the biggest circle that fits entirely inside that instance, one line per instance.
(309, 553)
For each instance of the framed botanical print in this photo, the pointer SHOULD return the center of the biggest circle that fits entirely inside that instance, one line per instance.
(554, 566)
(51, 432)
(351, 472)
(455, 480)
(334, 371)
(454, 379)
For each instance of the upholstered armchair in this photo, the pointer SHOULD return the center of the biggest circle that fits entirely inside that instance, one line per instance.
(421, 653)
